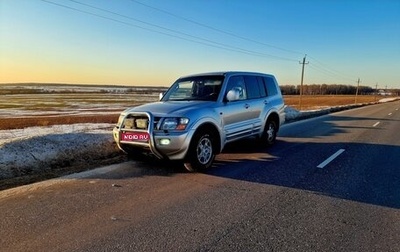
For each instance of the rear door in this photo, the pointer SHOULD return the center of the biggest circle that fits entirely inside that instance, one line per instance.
(256, 101)
(274, 96)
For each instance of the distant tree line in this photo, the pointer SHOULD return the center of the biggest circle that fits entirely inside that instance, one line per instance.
(20, 89)
(326, 89)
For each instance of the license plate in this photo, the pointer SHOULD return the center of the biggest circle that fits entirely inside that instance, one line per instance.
(135, 136)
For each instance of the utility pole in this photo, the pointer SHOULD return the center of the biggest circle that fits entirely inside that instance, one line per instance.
(358, 85)
(302, 78)
(376, 90)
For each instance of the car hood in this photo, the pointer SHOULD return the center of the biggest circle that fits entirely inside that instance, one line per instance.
(170, 107)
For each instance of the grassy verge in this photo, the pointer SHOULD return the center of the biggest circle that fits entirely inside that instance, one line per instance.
(322, 101)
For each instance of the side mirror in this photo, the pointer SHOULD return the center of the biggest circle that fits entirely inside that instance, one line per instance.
(233, 95)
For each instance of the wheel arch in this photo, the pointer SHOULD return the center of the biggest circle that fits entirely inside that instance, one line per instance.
(273, 116)
(211, 128)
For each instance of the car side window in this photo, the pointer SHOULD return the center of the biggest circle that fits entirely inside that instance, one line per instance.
(261, 86)
(270, 86)
(253, 89)
(237, 82)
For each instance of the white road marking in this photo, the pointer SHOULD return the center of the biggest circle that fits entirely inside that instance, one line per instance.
(376, 124)
(323, 164)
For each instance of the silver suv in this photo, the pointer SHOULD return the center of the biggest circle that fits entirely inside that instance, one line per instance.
(200, 114)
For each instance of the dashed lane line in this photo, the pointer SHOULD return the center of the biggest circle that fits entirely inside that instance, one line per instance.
(330, 159)
(376, 124)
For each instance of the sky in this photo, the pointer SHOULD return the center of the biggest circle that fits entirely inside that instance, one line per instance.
(153, 42)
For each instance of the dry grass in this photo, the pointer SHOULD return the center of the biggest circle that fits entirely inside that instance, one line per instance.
(23, 122)
(321, 101)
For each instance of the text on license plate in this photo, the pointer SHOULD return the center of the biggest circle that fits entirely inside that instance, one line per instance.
(135, 136)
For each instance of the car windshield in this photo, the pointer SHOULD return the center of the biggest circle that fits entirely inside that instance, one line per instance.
(205, 88)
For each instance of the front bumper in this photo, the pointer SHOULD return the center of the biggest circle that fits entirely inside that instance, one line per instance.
(163, 145)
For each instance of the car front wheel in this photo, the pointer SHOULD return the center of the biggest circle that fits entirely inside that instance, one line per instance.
(201, 152)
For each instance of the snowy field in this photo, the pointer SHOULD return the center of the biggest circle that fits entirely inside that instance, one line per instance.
(36, 149)
(37, 100)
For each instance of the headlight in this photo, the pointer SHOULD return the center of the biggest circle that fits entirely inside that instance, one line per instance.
(173, 123)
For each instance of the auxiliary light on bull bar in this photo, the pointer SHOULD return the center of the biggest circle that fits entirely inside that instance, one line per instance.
(165, 141)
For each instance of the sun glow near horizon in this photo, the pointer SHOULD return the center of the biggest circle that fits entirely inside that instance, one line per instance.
(36, 72)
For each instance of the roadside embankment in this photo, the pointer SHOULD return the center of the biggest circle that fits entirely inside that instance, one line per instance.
(37, 153)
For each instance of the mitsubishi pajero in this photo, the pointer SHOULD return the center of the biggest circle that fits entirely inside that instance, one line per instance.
(199, 114)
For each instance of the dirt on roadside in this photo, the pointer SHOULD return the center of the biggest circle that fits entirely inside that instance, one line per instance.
(60, 171)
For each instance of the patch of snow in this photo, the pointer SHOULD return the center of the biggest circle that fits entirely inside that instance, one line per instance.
(291, 113)
(34, 149)
(389, 99)
(14, 135)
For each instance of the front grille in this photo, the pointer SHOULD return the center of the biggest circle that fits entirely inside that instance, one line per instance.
(140, 122)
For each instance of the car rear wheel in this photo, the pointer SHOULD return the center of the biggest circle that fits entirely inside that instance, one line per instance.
(270, 131)
(201, 152)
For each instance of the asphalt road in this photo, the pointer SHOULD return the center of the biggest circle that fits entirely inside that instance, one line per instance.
(330, 183)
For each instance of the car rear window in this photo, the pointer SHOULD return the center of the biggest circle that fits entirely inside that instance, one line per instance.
(270, 86)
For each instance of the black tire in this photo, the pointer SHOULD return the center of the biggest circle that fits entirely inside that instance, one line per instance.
(201, 153)
(270, 132)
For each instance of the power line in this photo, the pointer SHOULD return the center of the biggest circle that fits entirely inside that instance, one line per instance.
(213, 28)
(198, 40)
(191, 38)
(321, 67)
(328, 73)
